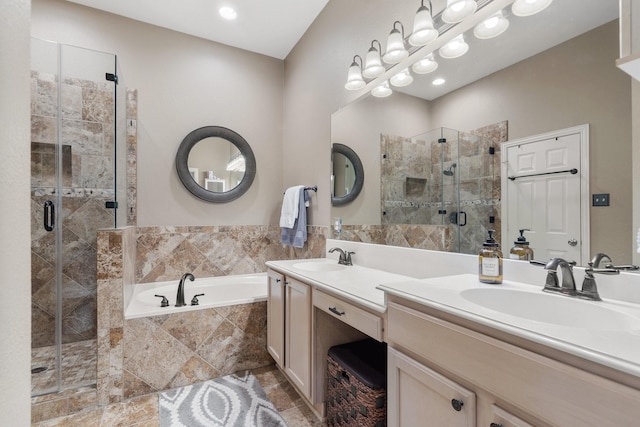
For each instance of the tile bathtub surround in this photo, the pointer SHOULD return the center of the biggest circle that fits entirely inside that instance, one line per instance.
(139, 356)
(418, 236)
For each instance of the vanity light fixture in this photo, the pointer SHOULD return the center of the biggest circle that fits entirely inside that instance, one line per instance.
(396, 50)
(438, 82)
(529, 7)
(455, 48)
(228, 13)
(382, 91)
(492, 26)
(373, 64)
(457, 10)
(423, 29)
(236, 164)
(354, 78)
(425, 66)
(403, 78)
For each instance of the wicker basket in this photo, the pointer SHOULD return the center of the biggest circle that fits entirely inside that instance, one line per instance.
(350, 402)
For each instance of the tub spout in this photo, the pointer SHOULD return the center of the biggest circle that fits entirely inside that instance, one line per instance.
(180, 296)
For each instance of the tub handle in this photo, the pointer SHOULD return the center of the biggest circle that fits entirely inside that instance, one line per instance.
(164, 302)
(194, 300)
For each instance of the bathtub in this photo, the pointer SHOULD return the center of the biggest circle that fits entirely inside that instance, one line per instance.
(140, 299)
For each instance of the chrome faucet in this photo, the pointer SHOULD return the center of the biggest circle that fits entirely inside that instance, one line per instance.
(599, 257)
(345, 256)
(180, 296)
(551, 284)
(589, 288)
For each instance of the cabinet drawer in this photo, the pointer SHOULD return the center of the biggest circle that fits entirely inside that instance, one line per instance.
(360, 319)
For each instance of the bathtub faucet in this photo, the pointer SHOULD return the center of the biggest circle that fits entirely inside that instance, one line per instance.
(180, 297)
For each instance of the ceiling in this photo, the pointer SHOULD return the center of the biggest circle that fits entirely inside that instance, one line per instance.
(270, 27)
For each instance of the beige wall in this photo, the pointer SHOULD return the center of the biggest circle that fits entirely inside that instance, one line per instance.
(15, 260)
(184, 83)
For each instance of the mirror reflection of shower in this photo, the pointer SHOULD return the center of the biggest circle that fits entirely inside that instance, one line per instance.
(450, 170)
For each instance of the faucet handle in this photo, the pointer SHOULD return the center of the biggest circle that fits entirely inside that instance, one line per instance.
(347, 260)
(194, 300)
(164, 302)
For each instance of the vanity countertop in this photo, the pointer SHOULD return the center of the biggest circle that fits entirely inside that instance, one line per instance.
(353, 282)
(606, 332)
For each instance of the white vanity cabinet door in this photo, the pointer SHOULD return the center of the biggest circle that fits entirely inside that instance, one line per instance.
(419, 396)
(275, 317)
(502, 418)
(298, 335)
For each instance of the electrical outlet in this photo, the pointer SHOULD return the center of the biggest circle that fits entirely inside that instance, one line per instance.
(600, 199)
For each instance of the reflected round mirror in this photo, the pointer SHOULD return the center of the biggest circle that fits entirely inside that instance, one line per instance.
(347, 175)
(215, 164)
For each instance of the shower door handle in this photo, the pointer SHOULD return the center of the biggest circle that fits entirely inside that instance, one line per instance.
(49, 215)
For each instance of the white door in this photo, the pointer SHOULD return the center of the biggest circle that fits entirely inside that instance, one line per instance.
(545, 190)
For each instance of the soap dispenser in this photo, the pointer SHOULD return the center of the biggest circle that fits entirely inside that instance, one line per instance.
(521, 250)
(490, 261)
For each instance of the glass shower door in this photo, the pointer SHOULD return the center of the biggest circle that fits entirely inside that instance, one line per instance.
(73, 178)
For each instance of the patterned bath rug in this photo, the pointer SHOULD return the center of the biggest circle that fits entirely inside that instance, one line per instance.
(229, 401)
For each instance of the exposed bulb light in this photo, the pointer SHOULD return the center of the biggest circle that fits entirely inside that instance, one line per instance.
(373, 64)
(457, 10)
(438, 82)
(354, 78)
(382, 91)
(425, 66)
(423, 30)
(403, 78)
(492, 26)
(396, 51)
(455, 48)
(529, 7)
(228, 13)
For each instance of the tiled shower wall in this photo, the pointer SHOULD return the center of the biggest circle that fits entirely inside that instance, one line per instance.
(138, 356)
(414, 190)
(87, 139)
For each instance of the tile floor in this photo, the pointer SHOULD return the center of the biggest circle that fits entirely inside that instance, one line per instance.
(143, 411)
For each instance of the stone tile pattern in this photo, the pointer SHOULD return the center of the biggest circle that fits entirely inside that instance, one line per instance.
(414, 190)
(143, 410)
(140, 356)
(132, 157)
(87, 138)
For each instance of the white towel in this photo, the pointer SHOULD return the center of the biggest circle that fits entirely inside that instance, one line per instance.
(290, 206)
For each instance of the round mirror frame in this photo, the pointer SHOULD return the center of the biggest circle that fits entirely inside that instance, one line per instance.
(234, 138)
(358, 170)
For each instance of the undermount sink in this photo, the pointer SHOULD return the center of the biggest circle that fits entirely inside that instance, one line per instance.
(551, 309)
(319, 266)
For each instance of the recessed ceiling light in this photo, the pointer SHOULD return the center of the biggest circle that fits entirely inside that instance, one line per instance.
(438, 82)
(228, 13)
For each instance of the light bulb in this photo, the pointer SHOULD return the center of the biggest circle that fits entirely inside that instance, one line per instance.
(529, 7)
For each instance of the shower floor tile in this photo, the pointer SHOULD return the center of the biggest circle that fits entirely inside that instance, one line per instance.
(79, 364)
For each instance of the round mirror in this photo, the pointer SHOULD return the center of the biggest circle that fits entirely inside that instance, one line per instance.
(215, 164)
(347, 176)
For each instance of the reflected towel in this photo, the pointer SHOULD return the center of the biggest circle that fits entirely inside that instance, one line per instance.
(290, 206)
(296, 236)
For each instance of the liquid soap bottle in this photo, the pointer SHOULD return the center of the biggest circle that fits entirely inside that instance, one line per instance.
(490, 261)
(521, 250)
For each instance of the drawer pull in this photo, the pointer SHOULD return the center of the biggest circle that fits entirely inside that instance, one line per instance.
(457, 404)
(495, 425)
(336, 311)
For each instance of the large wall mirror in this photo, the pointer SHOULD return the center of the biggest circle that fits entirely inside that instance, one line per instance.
(215, 164)
(550, 71)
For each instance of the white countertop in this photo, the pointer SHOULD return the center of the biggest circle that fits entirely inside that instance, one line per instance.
(353, 282)
(605, 332)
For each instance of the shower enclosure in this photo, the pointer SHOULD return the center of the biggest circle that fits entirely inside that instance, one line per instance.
(442, 177)
(77, 184)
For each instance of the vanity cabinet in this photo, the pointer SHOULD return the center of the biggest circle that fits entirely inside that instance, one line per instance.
(434, 359)
(289, 328)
